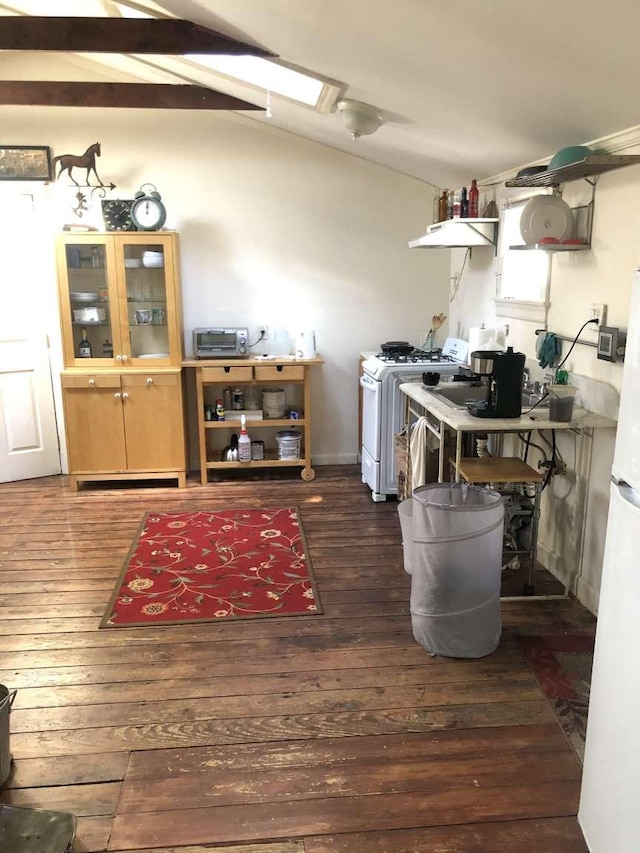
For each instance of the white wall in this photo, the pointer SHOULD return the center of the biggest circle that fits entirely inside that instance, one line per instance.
(601, 275)
(274, 230)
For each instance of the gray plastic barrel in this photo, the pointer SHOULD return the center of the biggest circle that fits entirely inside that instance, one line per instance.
(455, 565)
(6, 701)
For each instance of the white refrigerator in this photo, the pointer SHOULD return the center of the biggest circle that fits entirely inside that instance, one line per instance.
(609, 811)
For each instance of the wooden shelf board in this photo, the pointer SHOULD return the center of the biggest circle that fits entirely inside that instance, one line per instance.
(265, 422)
(259, 463)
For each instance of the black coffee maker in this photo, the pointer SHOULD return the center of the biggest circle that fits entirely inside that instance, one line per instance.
(504, 372)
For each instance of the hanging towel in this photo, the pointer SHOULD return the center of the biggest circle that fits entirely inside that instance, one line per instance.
(418, 453)
(549, 351)
(402, 463)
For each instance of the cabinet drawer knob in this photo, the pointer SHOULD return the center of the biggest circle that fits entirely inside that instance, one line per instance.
(149, 381)
(124, 395)
(92, 382)
(118, 358)
(117, 395)
(124, 357)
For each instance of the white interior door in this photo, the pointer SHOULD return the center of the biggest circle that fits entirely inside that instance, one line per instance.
(28, 436)
(28, 433)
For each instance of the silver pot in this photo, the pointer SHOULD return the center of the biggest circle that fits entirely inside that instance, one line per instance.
(230, 453)
(481, 361)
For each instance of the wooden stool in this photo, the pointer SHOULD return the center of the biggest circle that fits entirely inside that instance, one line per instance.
(511, 470)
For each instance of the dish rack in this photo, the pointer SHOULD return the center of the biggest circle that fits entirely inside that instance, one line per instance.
(582, 228)
(588, 170)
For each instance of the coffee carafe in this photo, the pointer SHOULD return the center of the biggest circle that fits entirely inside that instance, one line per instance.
(504, 372)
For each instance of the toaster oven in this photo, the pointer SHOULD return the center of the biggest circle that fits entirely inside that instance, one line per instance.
(217, 342)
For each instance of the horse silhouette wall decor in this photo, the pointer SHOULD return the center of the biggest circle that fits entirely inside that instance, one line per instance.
(68, 162)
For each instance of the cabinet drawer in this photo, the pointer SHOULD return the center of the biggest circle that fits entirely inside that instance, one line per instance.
(140, 380)
(93, 380)
(279, 373)
(227, 374)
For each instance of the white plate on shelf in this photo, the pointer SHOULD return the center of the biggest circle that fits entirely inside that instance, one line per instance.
(154, 355)
(83, 297)
(546, 216)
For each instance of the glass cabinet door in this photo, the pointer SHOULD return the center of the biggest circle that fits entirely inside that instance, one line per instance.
(145, 275)
(120, 300)
(92, 307)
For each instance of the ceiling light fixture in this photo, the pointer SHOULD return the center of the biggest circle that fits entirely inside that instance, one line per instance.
(359, 119)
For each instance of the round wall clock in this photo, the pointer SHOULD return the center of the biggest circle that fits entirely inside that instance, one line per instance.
(116, 213)
(147, 211)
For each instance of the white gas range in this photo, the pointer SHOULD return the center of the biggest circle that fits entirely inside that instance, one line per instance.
(383, 405)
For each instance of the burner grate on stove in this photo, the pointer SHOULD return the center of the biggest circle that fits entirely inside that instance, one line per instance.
(415, 357)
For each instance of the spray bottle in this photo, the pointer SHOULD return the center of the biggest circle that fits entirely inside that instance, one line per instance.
(244, 442)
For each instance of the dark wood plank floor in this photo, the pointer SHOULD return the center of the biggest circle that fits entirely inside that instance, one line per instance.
(319, 734)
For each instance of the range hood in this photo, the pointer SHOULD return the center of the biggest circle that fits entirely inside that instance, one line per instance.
(458, 234)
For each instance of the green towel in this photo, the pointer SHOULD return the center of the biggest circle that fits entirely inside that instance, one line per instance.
(550, 350)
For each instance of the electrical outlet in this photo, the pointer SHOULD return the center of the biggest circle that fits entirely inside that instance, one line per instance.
(264, 331)
(598, 311)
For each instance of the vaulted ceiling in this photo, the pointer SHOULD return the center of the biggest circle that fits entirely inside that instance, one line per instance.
(467, 88)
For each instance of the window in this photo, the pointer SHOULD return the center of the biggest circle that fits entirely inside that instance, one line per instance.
(522, 278)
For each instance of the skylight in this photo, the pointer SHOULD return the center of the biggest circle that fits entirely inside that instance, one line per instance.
(266, 75)
(62, 8)
(78, 8)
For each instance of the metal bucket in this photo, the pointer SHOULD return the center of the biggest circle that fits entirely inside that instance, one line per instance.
(6, 701)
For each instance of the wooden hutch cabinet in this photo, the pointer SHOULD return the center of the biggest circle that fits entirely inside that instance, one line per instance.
(122, 384)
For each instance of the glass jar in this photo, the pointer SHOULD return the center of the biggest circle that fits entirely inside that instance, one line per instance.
(252, 398)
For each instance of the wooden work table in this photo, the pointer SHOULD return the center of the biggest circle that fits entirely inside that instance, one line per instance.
(439, 415)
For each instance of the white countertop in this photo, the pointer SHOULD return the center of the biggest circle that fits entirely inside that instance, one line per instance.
(462, 421)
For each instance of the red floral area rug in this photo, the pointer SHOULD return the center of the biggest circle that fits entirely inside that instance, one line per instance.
(214, 566)
(562, 664)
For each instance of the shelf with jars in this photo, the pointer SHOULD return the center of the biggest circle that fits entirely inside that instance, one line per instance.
(122, 387)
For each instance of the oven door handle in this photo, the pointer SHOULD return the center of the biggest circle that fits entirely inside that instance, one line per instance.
(367, 383)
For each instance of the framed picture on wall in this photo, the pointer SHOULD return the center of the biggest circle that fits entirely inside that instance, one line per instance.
(25, 163)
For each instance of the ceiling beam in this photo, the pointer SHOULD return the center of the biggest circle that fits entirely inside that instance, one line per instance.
(153, 96)
(118, 35)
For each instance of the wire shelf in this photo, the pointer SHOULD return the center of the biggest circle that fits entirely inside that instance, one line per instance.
(595, 164)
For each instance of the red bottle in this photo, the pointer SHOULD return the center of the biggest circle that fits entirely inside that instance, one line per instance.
(473, 199)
